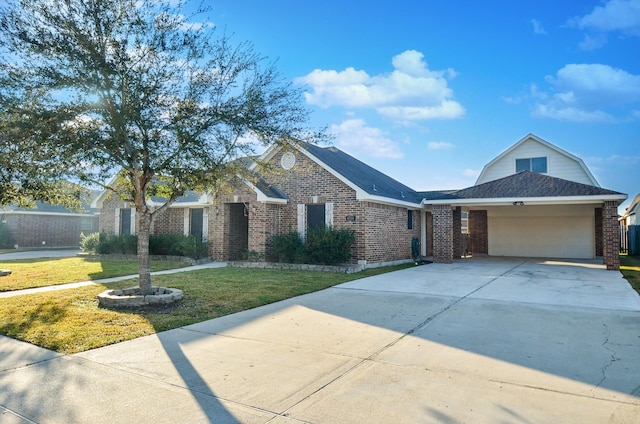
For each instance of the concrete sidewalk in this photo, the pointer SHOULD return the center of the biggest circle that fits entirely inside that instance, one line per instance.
(480, 341)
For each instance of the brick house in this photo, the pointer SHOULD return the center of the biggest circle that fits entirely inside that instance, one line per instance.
(48, 225)
(534, 199)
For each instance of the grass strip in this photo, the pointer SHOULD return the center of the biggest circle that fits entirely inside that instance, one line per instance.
(630, 268)
(32, 273)
(70, 321)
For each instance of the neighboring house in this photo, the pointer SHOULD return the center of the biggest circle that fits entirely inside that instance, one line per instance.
(48, 225)
(534, 199)
(630, 228)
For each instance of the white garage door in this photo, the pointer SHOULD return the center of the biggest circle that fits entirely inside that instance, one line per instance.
(542, 231)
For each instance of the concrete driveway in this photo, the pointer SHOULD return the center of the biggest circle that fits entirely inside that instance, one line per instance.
(480, 341)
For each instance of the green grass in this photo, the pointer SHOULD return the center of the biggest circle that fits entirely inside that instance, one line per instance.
(70, 321)
(630, 268)
(31, 273)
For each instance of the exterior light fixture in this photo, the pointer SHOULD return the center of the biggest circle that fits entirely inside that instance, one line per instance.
(518, 203)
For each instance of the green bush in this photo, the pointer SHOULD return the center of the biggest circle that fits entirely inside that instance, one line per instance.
(89, 244)
(159, 244)
(324, 245)
(163, 244)
(6, 238)
(125, 244)
(191, 247)
(288, 247)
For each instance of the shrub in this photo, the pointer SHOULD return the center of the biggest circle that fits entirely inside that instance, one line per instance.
(190, 246)
(326, 245)
(6, 238)
(163, 244)
(288, 247)
(89, 244)
(125, 244)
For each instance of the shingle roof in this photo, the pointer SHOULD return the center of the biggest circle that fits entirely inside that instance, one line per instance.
(530, 184)
(270, 190)
(368, 179)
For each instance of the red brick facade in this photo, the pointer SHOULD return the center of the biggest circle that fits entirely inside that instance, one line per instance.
(381, 231)
(32, 229)
(479, 232)
(611, 235)
(442, 234)
(599, 233)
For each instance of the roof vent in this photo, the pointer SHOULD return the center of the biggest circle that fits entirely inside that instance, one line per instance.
(374, 188)
(402, 194)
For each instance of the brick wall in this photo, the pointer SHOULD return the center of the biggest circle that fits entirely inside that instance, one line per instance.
(63, 230)
(599, 231)
(479, 231)
(386, 234)
(611, 235)
(381, 232)
(442, 234)
(457, 232)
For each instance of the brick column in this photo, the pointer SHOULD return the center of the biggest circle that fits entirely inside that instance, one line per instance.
(611, 235)
(457, 232)
(442, 234)
(478, 228)
(599, 231)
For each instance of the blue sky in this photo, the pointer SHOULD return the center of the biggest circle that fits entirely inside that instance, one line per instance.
(429, 91)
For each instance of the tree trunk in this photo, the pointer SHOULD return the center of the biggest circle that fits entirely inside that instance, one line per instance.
(143, 225)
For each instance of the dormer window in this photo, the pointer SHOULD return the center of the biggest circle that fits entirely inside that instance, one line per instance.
(538, 165)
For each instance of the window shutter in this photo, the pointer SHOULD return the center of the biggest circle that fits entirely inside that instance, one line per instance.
(302, 225)
(116, 225)
(205, 224)
(133, 221)
(185, 220)
(328, 214)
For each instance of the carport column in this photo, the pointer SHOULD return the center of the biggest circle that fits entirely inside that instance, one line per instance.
(611, 235)
(442, 234)
(457, 232)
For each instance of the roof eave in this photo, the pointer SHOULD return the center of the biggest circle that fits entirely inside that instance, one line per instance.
(366, 197)
(505, 201)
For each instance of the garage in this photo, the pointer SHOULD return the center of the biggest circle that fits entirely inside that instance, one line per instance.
(542, 231)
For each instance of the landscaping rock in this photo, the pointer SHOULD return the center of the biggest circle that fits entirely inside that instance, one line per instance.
(131, 297)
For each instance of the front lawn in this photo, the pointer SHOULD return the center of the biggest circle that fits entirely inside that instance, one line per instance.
(31, 273)
(630, 268)
(70, 321)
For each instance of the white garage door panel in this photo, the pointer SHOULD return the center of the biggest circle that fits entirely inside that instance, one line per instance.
(542, 236)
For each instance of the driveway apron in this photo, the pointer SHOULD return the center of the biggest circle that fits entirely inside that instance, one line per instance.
(480, 341)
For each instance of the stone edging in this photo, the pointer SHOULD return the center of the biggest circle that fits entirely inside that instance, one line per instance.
(339, 269)
(129, 298)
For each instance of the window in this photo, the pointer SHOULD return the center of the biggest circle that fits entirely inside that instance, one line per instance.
(196, 222)
(125, 221)
(409, 219)
(315, 216)
(538, 165)
(464, 224)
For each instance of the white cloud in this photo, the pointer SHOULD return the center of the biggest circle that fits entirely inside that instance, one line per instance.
(439, 145)
(470, 173)
(353, 134)
(410, 92)
(588, 93)
(614, 15)
(537, 27)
